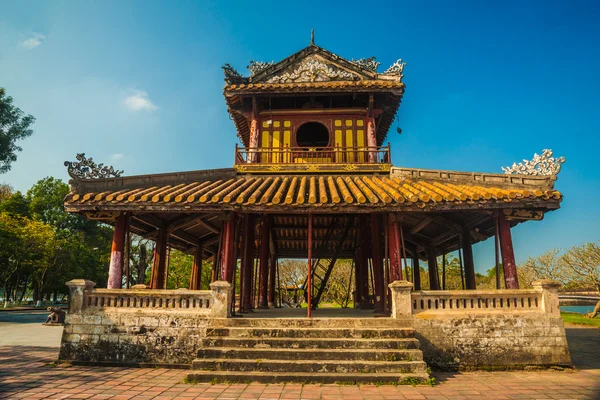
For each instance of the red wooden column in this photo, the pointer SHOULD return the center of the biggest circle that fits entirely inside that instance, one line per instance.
(468, 260)
(309, 245)
(416, 269)
(159, 265)
(377, 262)
(263, 279)
(117, 252)
(362, 264)
(196, 279)
(433, 269)
(247, 271)
(272, 267)
(227, 250)
(508, 254)
(395, 249)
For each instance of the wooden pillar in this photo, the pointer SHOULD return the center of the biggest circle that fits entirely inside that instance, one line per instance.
(433, 269)
(247, 263)
(377, 262)
(468, 260)
(508, 255)
(117, 252)
(196, 278)
(395, 250)
(416, 269)
(444, 271)
(309, 245)
(362, 264)
(371, 139)
(159, 264)
(264, 263)
(271, 295)
(227, 250)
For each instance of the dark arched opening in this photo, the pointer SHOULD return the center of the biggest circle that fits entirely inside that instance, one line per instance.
(312, 134)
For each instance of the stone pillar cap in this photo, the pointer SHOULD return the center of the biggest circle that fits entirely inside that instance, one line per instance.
(81, 282)
(547, 283)
(220, 284)
(401, 285)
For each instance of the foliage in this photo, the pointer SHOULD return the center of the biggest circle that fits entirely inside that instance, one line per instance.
(14, 126)
(42, 247)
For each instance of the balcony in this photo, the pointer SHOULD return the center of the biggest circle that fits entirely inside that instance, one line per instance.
(309, 159)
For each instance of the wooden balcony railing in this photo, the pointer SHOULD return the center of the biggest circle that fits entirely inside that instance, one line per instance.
(308, 155)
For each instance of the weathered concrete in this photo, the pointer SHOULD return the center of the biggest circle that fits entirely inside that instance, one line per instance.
(506, 328)
(139, 326)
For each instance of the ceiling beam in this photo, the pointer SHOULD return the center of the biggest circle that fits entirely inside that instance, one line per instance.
(421, 225)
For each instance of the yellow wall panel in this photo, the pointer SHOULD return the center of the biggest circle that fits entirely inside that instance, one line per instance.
(265, 124)
(350, 143)
(264, 143)
(287, 124)
(338, 122)
(276, 124)
(348, 122)
(360, 122)
(276, 143)
(287, 142)
(360, 142)
(339, 140)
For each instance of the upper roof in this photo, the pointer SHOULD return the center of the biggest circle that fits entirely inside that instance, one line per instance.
(314, 70)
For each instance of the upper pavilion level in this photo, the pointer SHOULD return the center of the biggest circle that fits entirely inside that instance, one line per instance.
(314, 111)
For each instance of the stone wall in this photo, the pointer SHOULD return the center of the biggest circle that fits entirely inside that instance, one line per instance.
(138, 326)
(494, 328)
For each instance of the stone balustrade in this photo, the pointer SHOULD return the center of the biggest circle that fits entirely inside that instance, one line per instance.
(210, 303)
(543, 298)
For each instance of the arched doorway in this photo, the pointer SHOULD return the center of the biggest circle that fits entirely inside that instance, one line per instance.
(312, 135)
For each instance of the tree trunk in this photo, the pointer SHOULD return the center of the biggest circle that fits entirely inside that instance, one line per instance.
(595, 312)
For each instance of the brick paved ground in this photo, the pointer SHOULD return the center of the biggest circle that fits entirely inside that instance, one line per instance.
(26, 373)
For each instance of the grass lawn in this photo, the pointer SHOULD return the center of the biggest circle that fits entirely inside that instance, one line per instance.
(580, 319)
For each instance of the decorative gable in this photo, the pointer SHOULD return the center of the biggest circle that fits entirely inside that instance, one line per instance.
(313, 69)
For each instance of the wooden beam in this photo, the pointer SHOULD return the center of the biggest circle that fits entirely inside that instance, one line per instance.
(421, 225)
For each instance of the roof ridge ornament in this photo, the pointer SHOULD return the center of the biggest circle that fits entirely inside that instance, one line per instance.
(86, 168)
(396, 68)
(231, 75)
(369, 63)
(257, 67)
(543, 164)
(312, 37)
(312, 70)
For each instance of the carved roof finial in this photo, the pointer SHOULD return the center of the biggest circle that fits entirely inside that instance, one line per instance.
(86, 168)
(312, 37)
(543, 164)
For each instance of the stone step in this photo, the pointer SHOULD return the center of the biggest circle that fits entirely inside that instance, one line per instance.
(309, 343)
(362, 333)
(309, 354)
(307, 377)
(312, 322)
(312, 366)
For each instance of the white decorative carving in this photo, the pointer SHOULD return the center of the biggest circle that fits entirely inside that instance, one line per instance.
(543, 164)
(258, 66)
(312, 70)
(396, 68)
(368, 63)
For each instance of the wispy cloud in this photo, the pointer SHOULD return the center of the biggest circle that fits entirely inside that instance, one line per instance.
(117, 156)
(34, 41)
(139, 101)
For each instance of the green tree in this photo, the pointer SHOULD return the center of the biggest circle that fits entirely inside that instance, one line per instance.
(14, 126)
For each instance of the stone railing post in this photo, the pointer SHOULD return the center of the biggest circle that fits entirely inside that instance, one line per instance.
(221, 295)
(79, 290)
(549, 289)
(401, 299)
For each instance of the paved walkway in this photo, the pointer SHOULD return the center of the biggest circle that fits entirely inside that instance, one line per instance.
(27, 372)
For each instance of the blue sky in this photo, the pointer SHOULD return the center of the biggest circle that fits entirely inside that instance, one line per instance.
(138, 84)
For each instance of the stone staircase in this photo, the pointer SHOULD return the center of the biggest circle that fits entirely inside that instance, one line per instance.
(333, 350)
